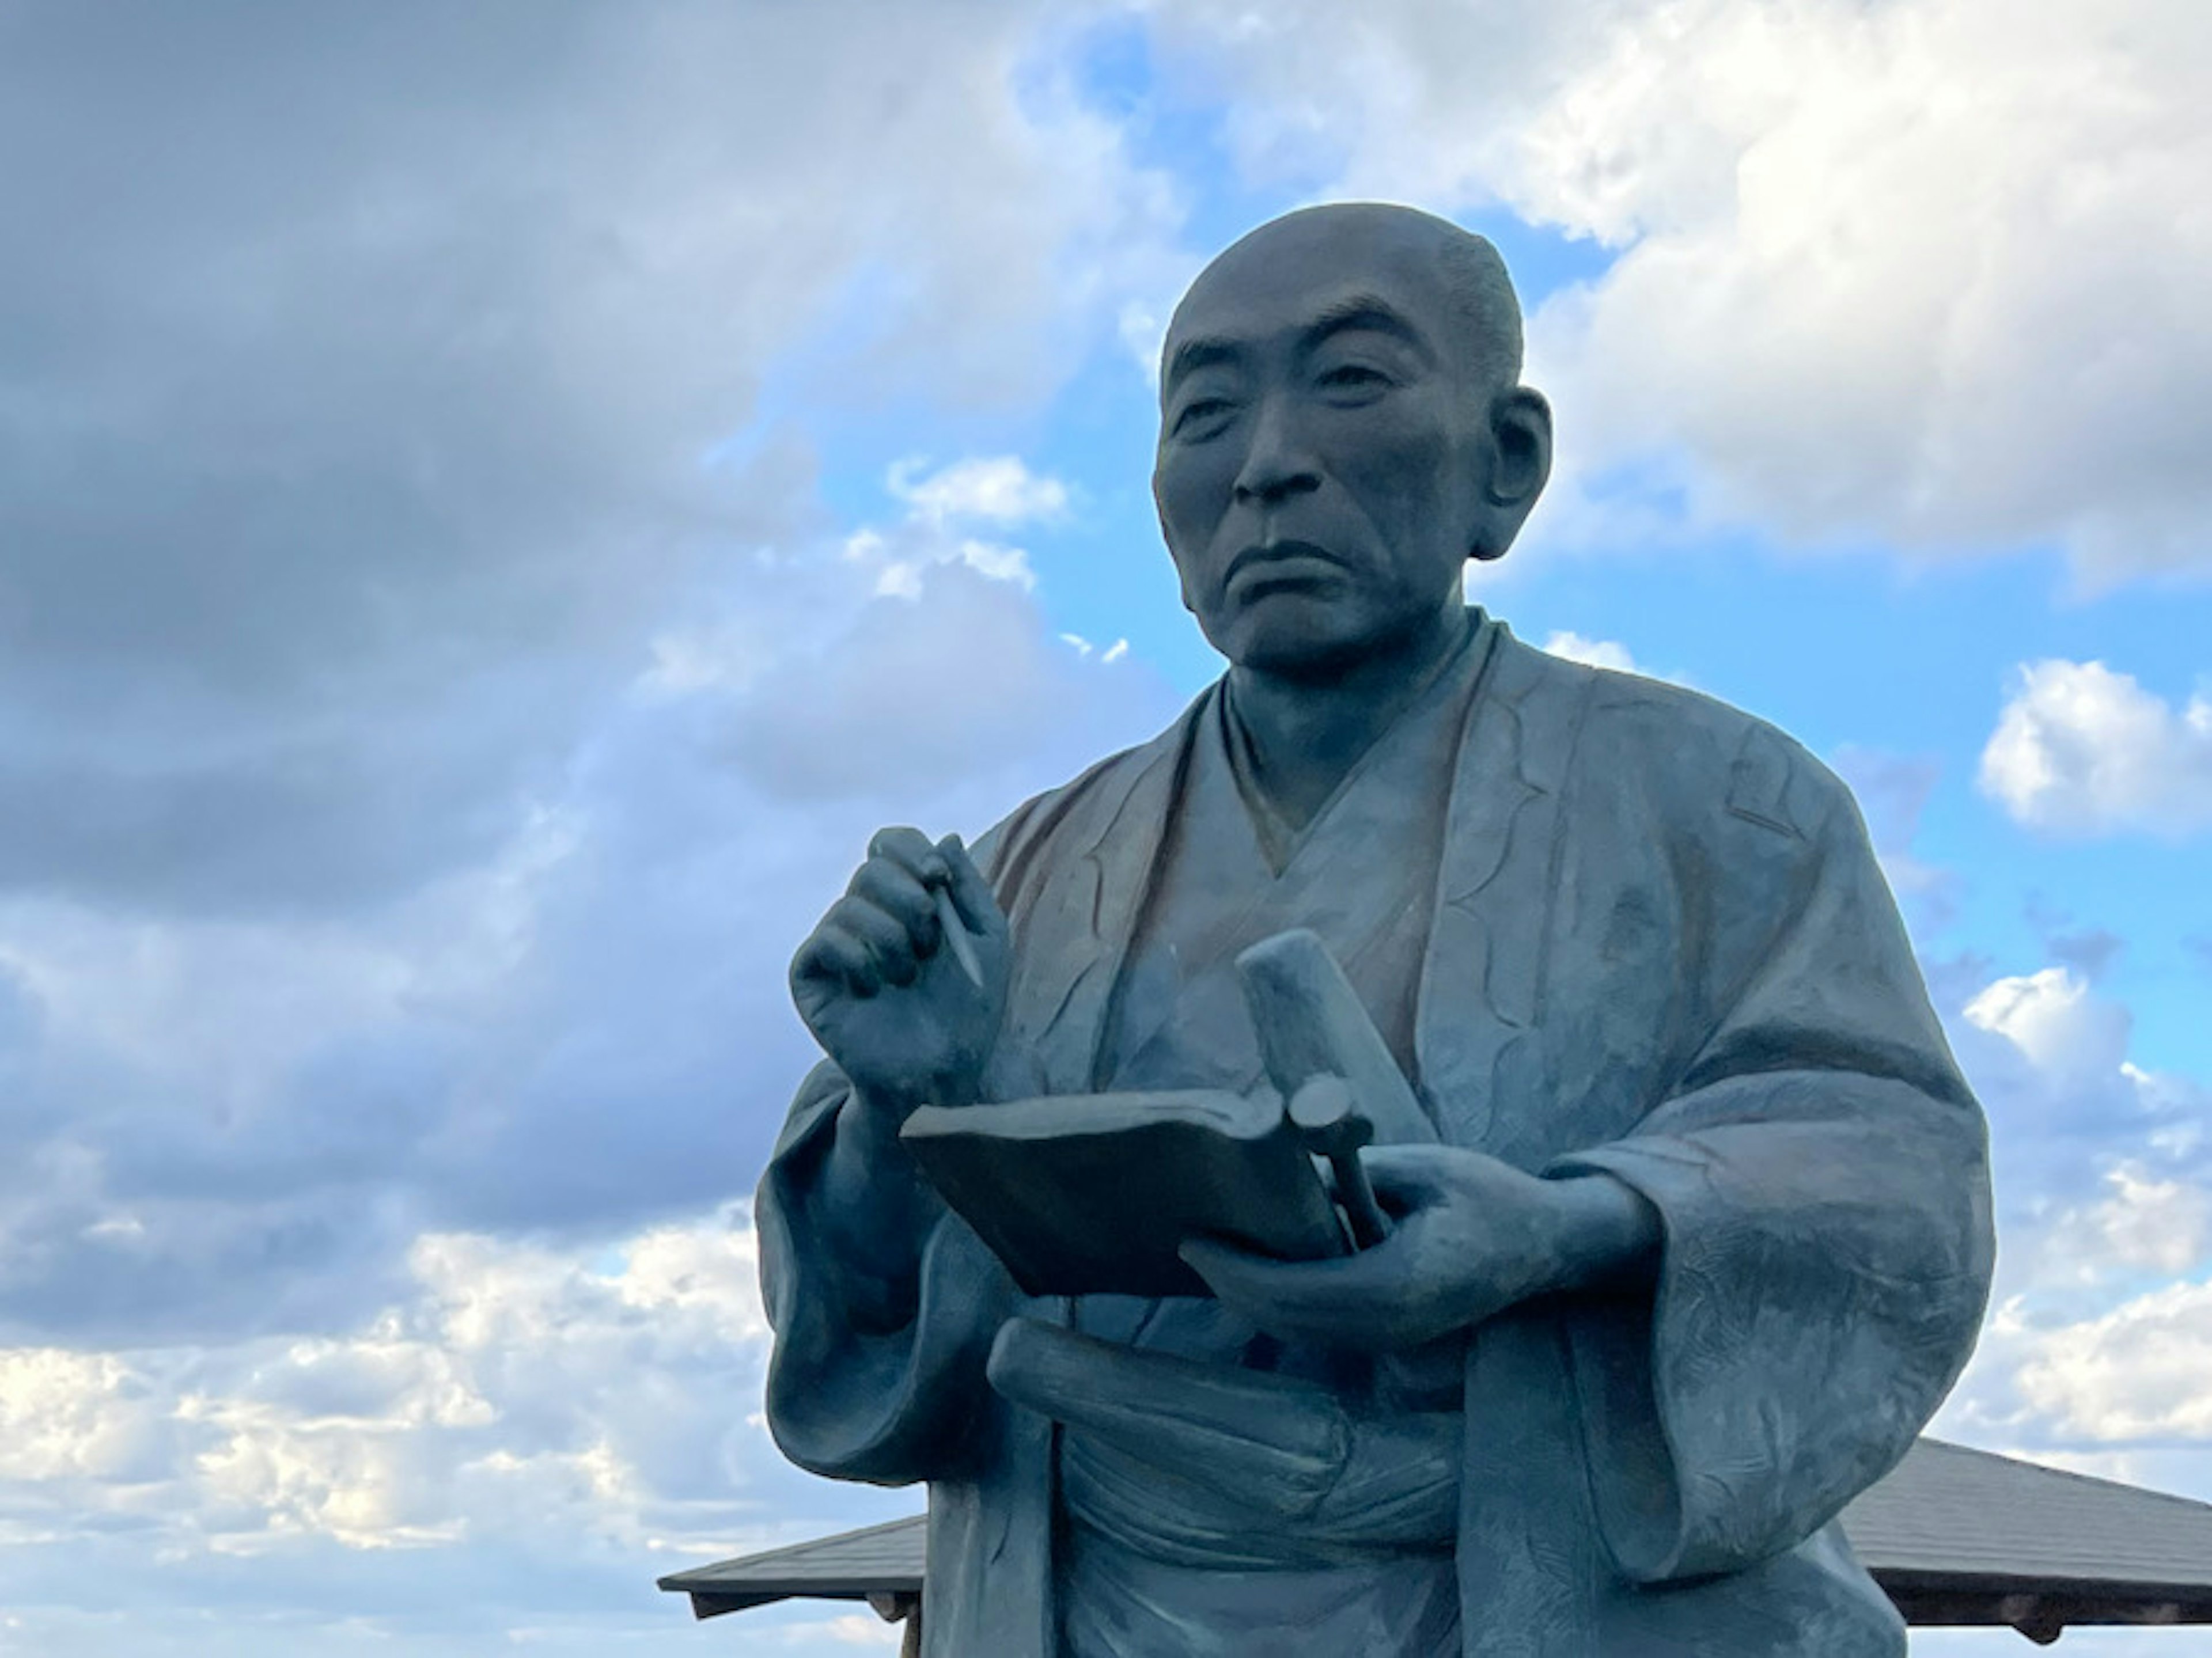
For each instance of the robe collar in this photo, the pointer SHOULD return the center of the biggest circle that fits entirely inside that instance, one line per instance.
(1479, 994)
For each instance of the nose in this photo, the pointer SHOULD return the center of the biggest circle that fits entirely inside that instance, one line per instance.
(1276, 465)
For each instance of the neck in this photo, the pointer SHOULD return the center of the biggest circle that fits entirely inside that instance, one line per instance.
(1306, 733)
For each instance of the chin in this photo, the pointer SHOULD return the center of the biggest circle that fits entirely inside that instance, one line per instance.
(1288, 652)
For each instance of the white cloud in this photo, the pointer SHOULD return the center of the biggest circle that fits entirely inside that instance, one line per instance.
(1913, 271)
(2146, 1223)
(2057, 1022)
(2081, 749)
(998, 489)
(1143, 330)
(2142, 1370)
(1117, 651)
(2101, 1164)
(2101, 1329)
(1609, 654)
(509, 1451)
(515, 1391)
(2104, 1201)
(1596, 652)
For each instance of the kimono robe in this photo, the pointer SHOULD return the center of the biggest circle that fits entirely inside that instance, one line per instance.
(1659, 949)
(1199, 1556)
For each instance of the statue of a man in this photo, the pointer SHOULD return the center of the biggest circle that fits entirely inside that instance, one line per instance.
(1702, 1238)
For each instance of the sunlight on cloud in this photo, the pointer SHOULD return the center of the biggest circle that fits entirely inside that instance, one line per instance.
(2142, 1370)
(1912, 271)
(2081, 749)
(2054, 1019)
(520, 1391)
(67, 1414)
(2100, 1327)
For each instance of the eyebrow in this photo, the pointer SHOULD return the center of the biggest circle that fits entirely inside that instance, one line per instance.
(1369, 312)
(1352, 313)
(1194, 355)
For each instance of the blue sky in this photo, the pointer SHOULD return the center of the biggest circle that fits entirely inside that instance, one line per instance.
(497, 505)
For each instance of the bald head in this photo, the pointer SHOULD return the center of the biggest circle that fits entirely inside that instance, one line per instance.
(1342, 427)
(1342, 240)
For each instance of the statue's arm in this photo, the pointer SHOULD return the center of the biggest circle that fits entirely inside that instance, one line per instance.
(1819, 1174)
(883, 1304)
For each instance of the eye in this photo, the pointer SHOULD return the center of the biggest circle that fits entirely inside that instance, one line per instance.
(1200, 416)
(1354, 377)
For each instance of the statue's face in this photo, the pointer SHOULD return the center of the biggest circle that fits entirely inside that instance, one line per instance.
(1323, 446)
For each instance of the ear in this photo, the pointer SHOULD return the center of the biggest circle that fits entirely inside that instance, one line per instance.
(1520, 439)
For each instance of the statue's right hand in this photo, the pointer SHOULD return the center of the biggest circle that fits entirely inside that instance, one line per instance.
(882, 990)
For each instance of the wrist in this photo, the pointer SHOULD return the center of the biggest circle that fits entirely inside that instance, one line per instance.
(887, 1102)
(1610, 1235)
(880, 1207)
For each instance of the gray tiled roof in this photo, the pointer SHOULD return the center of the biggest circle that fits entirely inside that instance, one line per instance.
(1953, 1511)
(1949, 1527)
(882, 1559)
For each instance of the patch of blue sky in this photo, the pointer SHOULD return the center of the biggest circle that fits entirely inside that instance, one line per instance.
(1859, 647)
(1170, 122)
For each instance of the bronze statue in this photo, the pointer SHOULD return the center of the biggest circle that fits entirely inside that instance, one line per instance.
(1694, 1232)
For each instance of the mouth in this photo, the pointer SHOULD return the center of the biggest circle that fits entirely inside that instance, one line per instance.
(1280, 563)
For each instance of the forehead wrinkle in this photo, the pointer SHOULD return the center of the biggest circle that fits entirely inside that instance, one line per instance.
(1362, 308)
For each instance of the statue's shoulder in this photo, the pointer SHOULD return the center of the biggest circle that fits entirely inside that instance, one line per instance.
(1693, 758)
(1080, 810)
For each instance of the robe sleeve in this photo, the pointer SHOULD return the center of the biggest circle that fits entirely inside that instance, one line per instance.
(872, 1380)
(1821, 1171)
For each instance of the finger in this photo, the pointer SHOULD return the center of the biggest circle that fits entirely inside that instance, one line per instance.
(910, 850)
(892, 888)
(889, 946)
(971, 893)
(1356, 1300)
(834, 956)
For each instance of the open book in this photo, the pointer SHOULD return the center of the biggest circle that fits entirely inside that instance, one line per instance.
(1092, 1194)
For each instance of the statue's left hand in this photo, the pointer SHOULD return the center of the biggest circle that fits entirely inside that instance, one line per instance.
(1471, 1237)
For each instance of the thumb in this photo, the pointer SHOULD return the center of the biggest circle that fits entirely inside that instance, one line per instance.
(1405, 1176)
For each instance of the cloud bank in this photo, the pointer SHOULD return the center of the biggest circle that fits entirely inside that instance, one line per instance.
(1916, 271)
